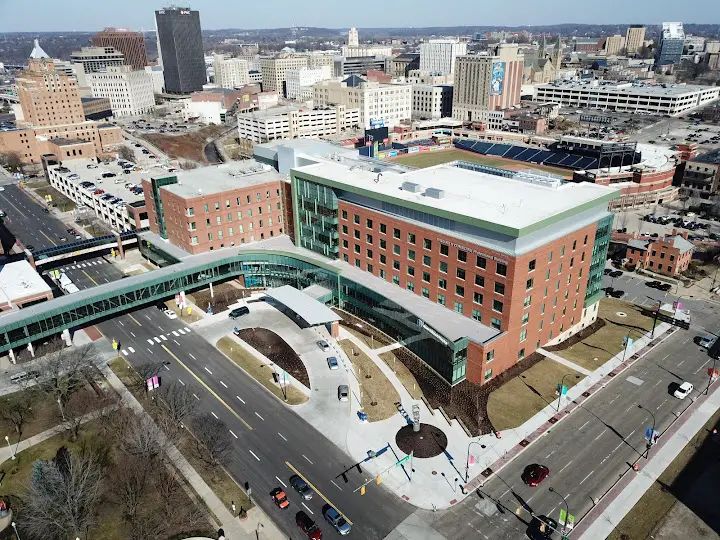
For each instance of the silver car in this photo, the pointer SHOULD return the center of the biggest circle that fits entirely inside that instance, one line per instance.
(343, 392)
(332, 362)
(324, 347)
(301, 486)
(338, 522)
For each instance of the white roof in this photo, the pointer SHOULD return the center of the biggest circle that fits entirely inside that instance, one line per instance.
(37, 51)
(310, 310)
(673, 30)
(512, 203)
(19, 280)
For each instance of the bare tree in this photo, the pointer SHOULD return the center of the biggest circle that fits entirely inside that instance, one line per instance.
(17, 409)
(147, 370)
(126, 153)
(63, 495)
(131, 479)
(11, 161)
(213, 437)
(178, 401)
(81, 408)
(144, 438)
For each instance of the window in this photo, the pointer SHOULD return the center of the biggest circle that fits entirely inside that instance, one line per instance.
(356, 234)
(396, 233)
(240, 216)
(356, 248)
(396, 249)
(521, 352)
(194, 240)
(356, 219)
(383, 244)
(370, 268)
(411, 270)
(441, 299)
(411, 238)
(476, 315)
(585, 241)
(550, 257)
(410, 286)
(209, 236)
(478, 298)
(531, 265)
(217, 206)
(382, 274)
(250, 212)
(191, 211)
(458, 307)
(442, 283)
(368, 223)
(523, 335)
(460, 291)
(501, 269)
(540, 325)
(547, 274)
(218, 220)
(497, 306)
(345, 244)
(488, 374)
(383, 228)
(582, 257)
(527, 302)
(396, 265)
(460, 273)
(368, 238)
(411, 254)
(560, 269)
(481, 262)
(495, 323)
(344, 229)
(574, 244)
(572, 262)
(490, 356)
(230, 231)
(529, 284)
(396, 280)
(427, 260)
(426, 277)
(444, 250)
(426, 292)
(562, 251)
(480, 281)
(462, 255)
(427, 244)
(383, 259)
(525, 318)
(357, 263)
(369, 253)
(205, 206)
(193, 226)
(443, 267)
(229, 217)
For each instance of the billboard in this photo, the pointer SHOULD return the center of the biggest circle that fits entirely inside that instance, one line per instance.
(497, 78)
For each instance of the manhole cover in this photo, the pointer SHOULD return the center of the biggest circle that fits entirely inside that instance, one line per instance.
(612, 374)
(553, 420)
(487, 472)
(586, 394)
(524, 443)
(621, 314)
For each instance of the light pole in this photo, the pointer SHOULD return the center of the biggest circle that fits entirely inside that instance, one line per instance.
(710, 377)
(567, 510)
(467, 460)
(257, 530)
(14, 526)
(649, 443)
(12, 453)
(562, 385)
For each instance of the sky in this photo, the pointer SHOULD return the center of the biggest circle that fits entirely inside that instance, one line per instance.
(92, 15)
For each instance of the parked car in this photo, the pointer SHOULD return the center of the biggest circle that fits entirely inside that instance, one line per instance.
(653, 284)
(334, 518)
(302, 487)
(332, 362)
(239, 312)
(615, 273)
(617, 293)
(683, 390)
(343, 392)
(324, 346)
(607, 271)
(170, 314)
(707, 341)
(534, 474)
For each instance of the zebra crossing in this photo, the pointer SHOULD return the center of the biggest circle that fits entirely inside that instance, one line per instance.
(79, 266)
(159, 339)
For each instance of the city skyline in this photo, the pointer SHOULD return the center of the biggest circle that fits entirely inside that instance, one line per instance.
(46, 16)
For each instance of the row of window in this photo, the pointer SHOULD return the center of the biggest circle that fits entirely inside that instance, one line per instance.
(206, 207)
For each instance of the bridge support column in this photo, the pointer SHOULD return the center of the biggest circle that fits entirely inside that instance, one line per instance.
(120, 249)
(66, 336)
(11, 354)
(30, 258)
(335, 329)
(31, 349)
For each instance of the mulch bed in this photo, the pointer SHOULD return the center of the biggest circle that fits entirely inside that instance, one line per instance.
(277, 351)
(429, 442)
(582, 334)
(225, 294)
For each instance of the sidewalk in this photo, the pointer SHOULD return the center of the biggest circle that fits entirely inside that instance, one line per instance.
(603, 518)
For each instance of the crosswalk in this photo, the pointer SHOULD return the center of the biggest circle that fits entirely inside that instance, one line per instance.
(159, 339)
(83, 265)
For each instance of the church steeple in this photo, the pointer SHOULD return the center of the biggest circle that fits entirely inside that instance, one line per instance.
(541, 50)
(557, 53)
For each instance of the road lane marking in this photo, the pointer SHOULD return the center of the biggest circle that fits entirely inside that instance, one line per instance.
(157, 339)
(215, 415)
(124, 352)
(233, 434)
(181, 331)
(186, 328)
(601, 434)
(198, 379)
(174, 333)
(90, 278)
(313, 513)
(121, 323)
(316, 490)
(588, 476)
(664, 357)
(585, 424)
(151, 342)
(133, 335)
(166, 367)
(163, 338)
(261, 418)
(131, 349)
(195, 396)
(283, 483)
(150, 351)
(191, 356)
(334, 484)
(551, 453)
(206, 369)
(282, 437)
(176, 341)
(134, 319)
(310, 462)
(148, 317)
(181, 382)
(225, 385)
(254, 455)
(561, 470)
(241, 399)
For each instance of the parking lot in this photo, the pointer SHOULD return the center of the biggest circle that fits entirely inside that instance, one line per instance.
(665, 220)
(621, 124)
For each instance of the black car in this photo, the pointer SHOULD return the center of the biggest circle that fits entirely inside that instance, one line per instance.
(30, 247)
(239, 312)
(615, 273)
(664, 287)
(653, 284)
(541, 528)
(617, 293)
(607, 271)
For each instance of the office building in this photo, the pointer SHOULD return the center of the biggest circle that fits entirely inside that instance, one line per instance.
(299, 82)
(701, 177)
(94, 60)
(214, 207)
(320, 59)
(213, 106)
(668, 256)
(671, 44)
(96, 108)
(431, 102)
(353, 47)
(628, 97)
(180, 47)
(360, 65)
(522, 274)
(231, 72)
(292, 121)
(634, 38)
(438, 55)
(614, 45)
(380, 104)
(403, 63)
(130, 44)
(694, 44)
(158, 78)
(130, 91)
(274, 70)
(353, 38)
(487, 82)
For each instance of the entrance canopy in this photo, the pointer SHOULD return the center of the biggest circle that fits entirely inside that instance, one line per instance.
(306, 307)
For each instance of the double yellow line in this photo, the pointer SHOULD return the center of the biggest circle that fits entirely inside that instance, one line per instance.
(316, 490)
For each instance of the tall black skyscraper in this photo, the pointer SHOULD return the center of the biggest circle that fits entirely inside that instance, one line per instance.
(181, 49)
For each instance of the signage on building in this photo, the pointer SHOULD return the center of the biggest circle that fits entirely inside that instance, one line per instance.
(595, 119)
(471, 250)
(376, 123)
(497, 78)
(430, 330)
(413, 149)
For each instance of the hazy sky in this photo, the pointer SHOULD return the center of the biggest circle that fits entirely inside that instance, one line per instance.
(89, 15)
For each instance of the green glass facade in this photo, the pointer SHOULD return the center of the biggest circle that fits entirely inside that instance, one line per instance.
(597, 264)
(316, 217)
(156, 184)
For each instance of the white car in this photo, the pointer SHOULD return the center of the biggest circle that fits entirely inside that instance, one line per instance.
(170, 314)
(324, 347)
(2, 188)
(683, 390)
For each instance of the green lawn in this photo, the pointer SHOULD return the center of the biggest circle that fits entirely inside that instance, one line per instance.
(429, 159)
(520, 398)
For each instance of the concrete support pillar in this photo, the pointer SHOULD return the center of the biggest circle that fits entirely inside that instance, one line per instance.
(335, 329)
(11, 354)
(66, 337)
(212, 293)
(120, 249)
(30, 258)
(31, 349)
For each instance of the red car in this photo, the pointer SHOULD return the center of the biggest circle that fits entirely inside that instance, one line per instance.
(534, 474)
(308, 526)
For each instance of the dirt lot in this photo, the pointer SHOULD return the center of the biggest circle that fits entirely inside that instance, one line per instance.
(186, 146)
(403, 373)
(275, 349)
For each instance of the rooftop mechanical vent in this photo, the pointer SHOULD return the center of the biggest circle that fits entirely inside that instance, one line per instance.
(435, 193)
(412, 187)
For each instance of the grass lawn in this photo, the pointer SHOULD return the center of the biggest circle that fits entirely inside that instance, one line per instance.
(655, 504)
(58, 199)
(258, 371)
(520, 398)
(403, 373)
(379, 395)
(599, 347)
(429, 159)
(367, 340)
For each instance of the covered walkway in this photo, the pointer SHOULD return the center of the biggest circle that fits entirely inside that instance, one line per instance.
(303, 308)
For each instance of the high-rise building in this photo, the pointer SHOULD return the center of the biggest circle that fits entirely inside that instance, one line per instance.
(48, 97)
(94, 59)
(614, 45)
(431, 102)
(230, 73)
(438, 55)
(354, 49)
(487, 83)
(634, 38)
(299, 82)
(130, 44)
(352, 38)
(130, 91)
(671, 44)
(181, 49)
(274, 70)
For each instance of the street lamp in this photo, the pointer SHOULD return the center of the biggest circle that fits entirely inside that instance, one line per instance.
(467, 460)
(567, 510)
(710, 377)
(12, 453)
(562, 385)
(257, 530)
(649, 443)
(14, 526)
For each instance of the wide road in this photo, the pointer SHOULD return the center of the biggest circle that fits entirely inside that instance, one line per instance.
(28, 221)
(587, 451)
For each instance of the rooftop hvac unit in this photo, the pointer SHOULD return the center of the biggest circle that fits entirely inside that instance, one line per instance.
(412, 187)
(435, 193)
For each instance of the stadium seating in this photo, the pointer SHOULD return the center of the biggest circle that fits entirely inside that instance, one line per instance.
(498, 149)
